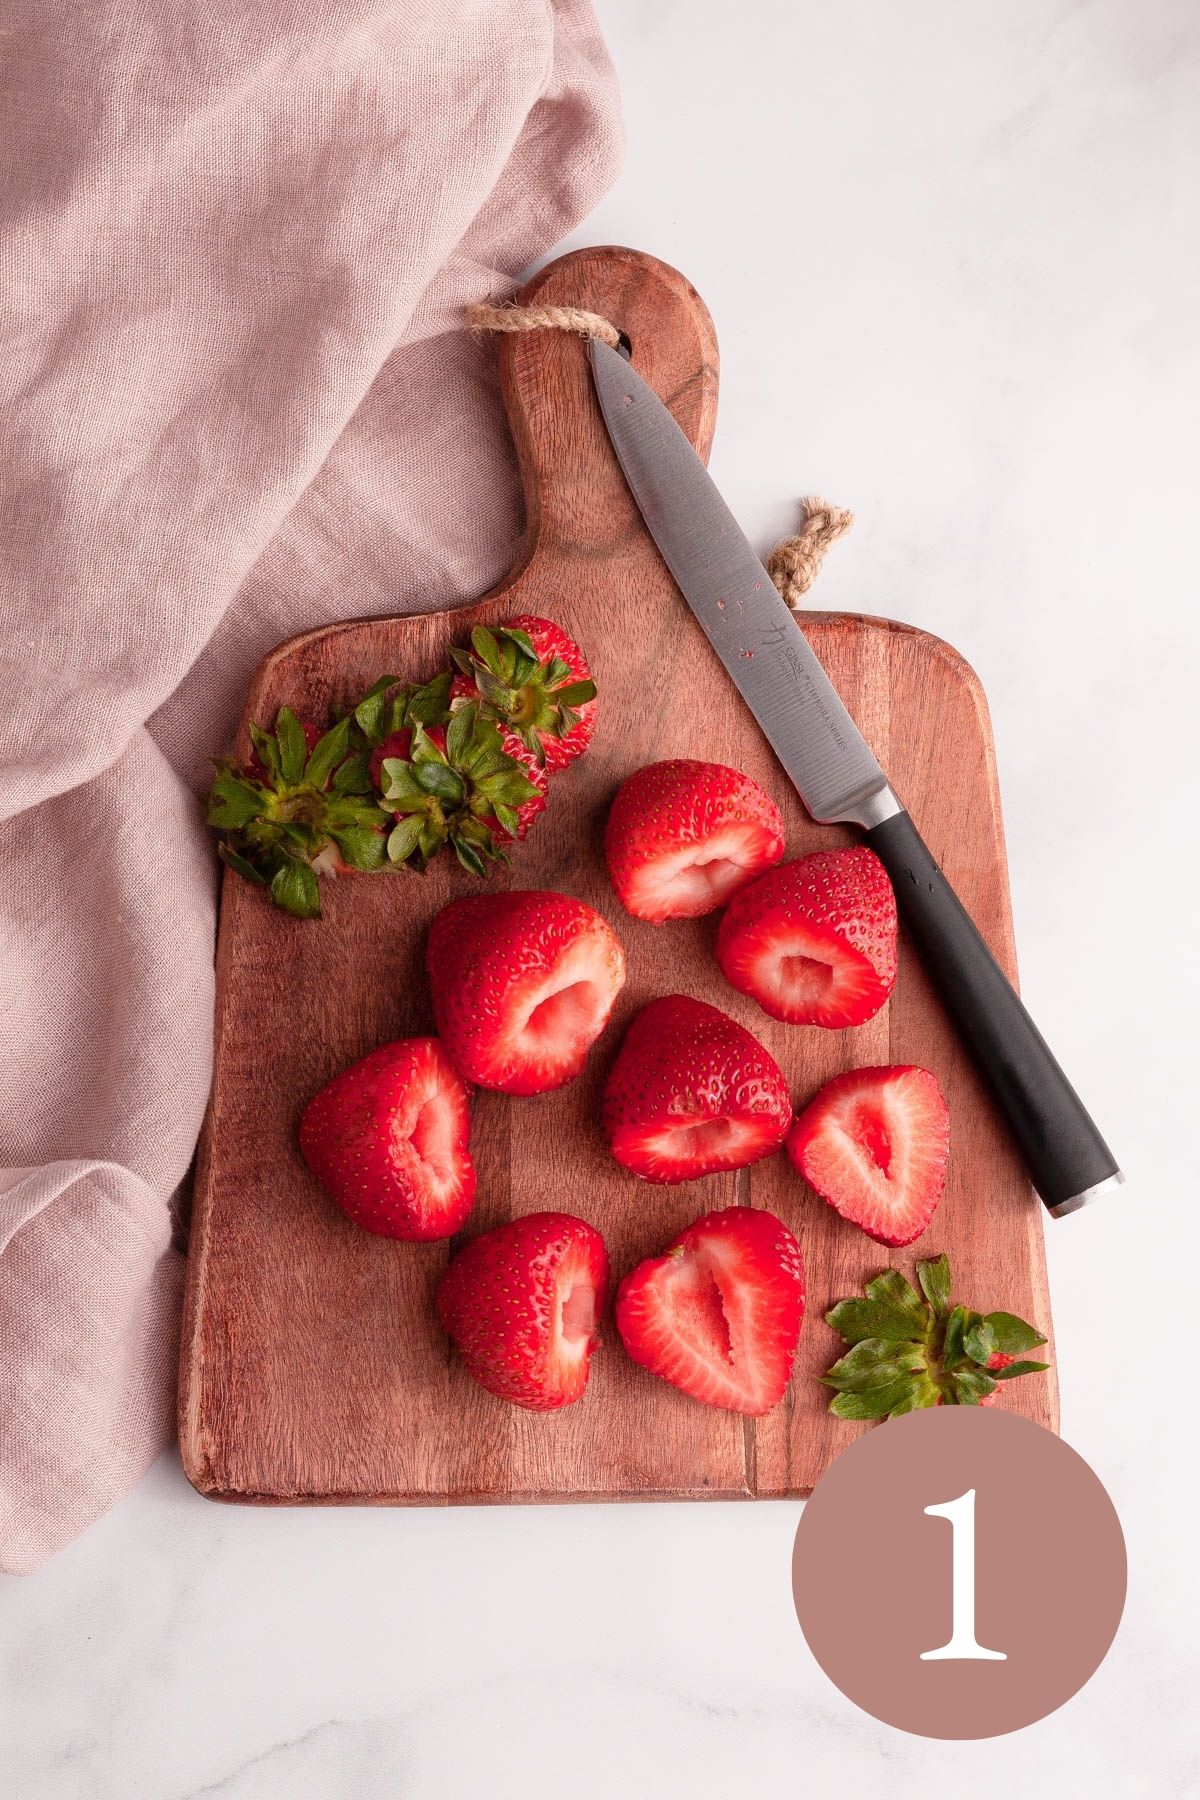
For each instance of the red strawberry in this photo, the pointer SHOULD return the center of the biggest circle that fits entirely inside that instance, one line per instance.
(814, 941)
(683, 836)
(692, 1092)
(522, 1304)
(719, 1313)
(399, 745)
(387, 1139)
(523, 984)
(536, 681)
(875, 1143)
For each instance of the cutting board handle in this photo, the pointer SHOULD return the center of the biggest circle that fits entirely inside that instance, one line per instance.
(562, 448)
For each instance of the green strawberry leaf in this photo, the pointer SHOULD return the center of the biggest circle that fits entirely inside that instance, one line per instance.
(327, 753)
(234, 801)
(268, 752)
(892, 1287)
(424, 750)
(878, 1403)
(488, 651)
(970, 1386)
(1012, 1334)
(523, 664)
(468, 855)
(493, 689)
(953, 1351)
(460, 732)
(858, 1319)
(354, 809)
(921, 1393)
(293, 747)
(440, 780)
(400, 783)
(239, 864)
(507, 819)
(509, 785)
(354, 775)
(404, 839)
(874, 1363)
(428, 704)
(934, 1277)
(513, 634)
(371, 710)
(431, 838)
(294, 888)
(577, 694)
(1018, 1368)
(362, 848)
(979, 1342)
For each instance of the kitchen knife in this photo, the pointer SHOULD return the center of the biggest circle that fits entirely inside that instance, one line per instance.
(839, 780)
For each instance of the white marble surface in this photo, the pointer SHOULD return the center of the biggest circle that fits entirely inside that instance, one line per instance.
(947, 249)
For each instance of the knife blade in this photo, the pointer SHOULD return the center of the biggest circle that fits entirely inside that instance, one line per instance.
(839, 779)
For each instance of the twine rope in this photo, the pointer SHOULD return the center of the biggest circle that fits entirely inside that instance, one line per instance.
(543, 318)
(795, 563)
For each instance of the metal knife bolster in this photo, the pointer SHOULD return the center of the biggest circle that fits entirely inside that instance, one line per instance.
(835, 773)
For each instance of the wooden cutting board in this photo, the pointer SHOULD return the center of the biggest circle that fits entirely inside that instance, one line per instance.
(313, 1366)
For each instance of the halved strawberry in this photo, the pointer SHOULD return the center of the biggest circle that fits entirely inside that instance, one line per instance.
(523, 984)
(536, 681)
(875, 1144)
(387, 1139)
(719, 1313)
(682, 836)
(692, 1092)
(522, 1303)
(814, 941)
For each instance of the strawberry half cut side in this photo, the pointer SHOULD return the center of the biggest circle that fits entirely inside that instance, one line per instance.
(814, 941)
(523, 984)
(522, 1304)
(719, 1313)
(875, 1143)
(692, 1093)
(387, 1139)
(682, 836)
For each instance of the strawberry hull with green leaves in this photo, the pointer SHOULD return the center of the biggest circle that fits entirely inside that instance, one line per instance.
(302, 800)
(459, 763)
(910, 1350)
(535, 681)
(454, 785)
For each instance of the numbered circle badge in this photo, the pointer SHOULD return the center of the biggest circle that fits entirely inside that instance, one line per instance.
(959, 1572)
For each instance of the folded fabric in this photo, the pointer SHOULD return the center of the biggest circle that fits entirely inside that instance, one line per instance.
(238, 403)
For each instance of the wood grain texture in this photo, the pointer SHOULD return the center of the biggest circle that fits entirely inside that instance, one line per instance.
(313, 1367)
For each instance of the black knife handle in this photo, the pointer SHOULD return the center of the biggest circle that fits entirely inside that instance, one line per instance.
(1065, 1154)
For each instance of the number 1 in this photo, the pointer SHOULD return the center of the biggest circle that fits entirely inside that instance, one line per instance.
(962, 1646)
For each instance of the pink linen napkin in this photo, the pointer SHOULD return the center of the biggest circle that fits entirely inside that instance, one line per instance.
(239, 403)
